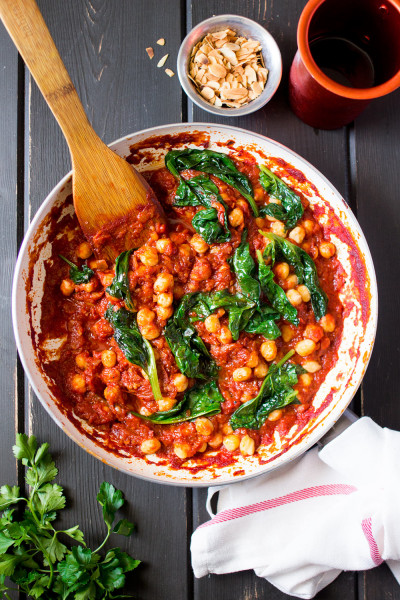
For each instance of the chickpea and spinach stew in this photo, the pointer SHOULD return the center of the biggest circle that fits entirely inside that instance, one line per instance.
(216, 333)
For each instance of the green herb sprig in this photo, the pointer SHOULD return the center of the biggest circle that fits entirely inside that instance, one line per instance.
(290, 209)
(32, 554)
(77, 275)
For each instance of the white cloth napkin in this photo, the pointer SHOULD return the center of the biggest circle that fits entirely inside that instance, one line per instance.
(300, 526)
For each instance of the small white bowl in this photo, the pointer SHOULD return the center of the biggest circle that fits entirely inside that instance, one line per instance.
(248, 29)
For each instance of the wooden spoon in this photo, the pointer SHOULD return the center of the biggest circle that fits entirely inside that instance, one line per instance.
(113, 203)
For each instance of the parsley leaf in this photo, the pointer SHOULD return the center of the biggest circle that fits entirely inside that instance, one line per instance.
(31, 553)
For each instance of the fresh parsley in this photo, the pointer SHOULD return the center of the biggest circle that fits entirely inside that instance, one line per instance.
(32, 554)
(77, 275)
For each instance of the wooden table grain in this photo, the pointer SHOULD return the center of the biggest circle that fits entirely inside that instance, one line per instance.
(102, 43)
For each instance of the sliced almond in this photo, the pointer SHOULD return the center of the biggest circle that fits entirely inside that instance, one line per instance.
(231, 46)
(207, 93)
(162, 61)
(218, 70)
(150, 52)
(256, 87)
(169, 72)
(250, 74)
(213, 85)
(161, 42)
(230, 55)
(218, 101)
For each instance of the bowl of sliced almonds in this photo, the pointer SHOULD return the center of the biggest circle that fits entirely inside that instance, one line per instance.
(229, 65)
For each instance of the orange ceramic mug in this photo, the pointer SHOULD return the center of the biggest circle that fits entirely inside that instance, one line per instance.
(348, 54)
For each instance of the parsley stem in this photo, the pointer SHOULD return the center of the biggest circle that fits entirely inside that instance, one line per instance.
(105, 539)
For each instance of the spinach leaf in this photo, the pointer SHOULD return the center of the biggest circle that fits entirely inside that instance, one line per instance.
(304, 268)
(262, 321)
(214, 163)
(119, 287)
(191, 354)
(245, 270)
(291, 209)
(276, 392)
(274, 292)
(136, 348)
(206, 223)
(201, 191)
(200, 400)
(77, 275)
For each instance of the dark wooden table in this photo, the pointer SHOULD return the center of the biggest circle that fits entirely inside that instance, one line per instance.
(102, 43)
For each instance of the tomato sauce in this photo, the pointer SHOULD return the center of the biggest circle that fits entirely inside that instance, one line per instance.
(96, 383)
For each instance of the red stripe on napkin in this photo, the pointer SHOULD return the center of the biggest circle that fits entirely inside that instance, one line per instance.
(312, 492)
(366, 525)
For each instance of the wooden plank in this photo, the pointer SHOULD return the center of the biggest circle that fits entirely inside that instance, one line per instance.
(8, 249)
(103, 45)
(328, 152)
(378, 182)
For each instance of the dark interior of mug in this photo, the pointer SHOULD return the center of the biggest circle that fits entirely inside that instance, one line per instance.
(356, 42)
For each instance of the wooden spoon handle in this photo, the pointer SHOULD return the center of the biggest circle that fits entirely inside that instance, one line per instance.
(26, 26)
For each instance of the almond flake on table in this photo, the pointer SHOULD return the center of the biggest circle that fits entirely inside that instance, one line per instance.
(162, 60)
(150, 52)
(227, 69)
(161, 42)
(169, 72)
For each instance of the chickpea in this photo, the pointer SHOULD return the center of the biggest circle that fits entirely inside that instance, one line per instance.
(145, 316)
(304, 293)
(212, 324)
(294, 297)
(327, 249)
(247, 446)
(81, 361)
(231, 442)
(198, 244)
(164, 312)
(216, 440)
(78, 384)
(275, 415)
(181, 450)
(242, 374)
(268, 350)
(297, 235)
(84, 250)
(112, 393)
(311, 366)
(150, 332)
(201, 270)
(101, 265)
(245, 397)
(90, 286)
(328, 323)
(204, 426)
(67, 287)
(236, 217)
(282, 270)
(163, 283)
(287, 333)
(227, 429)
(253, 360)
(261, 370)
(260, 222)
(110, 375)
(291, 282)
(107, 279)
(150, 446)
(144, 411)
(180, 382)
(313, 332)
(305, 347)
(202, 448)
(308, 225)
(149, 256)
(225, 336)
(185, 249)
(165, 299)
(108, 358)
(305, 379)
(163, 245)
(166, 403)
(278, 228)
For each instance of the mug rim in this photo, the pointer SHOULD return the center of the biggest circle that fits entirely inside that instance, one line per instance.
(336, 88)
